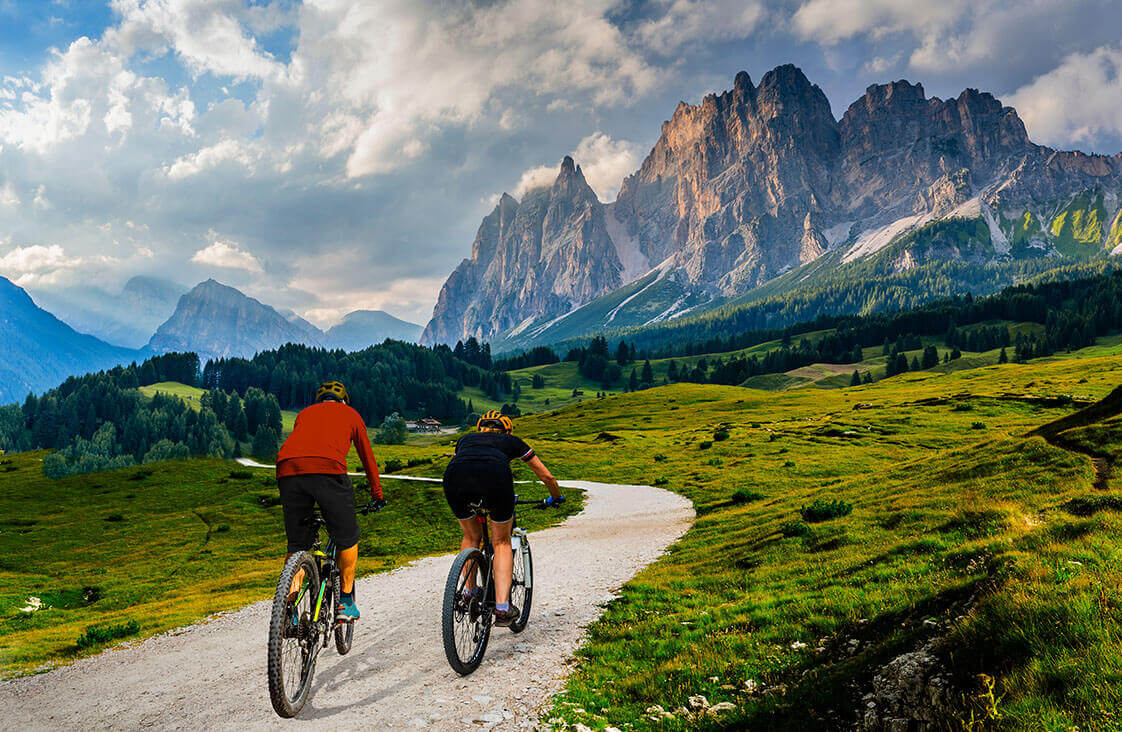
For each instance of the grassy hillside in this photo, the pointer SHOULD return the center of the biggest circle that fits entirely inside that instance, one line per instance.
(992, 550)
(192, 395)
(170, 543)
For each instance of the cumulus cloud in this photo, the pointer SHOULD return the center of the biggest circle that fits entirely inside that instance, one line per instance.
(229, 255)
(605, 163)
(689, 21)
(211, 157)
(37, 264)
(830, 21)
(1077, 101)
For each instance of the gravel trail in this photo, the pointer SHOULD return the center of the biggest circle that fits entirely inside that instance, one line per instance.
(212, 675)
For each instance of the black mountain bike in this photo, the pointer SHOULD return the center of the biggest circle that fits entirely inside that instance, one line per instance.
(299, 629)
(467, 620)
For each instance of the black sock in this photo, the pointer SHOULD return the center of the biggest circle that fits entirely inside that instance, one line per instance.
(349, 596)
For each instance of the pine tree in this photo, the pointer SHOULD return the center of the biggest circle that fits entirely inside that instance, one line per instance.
(1002, 357)
(856, 380)
(633, 382)
(648, 375)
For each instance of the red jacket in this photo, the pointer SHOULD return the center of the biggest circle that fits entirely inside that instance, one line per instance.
(320, 441)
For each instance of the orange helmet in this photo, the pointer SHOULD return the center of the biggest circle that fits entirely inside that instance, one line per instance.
(495, 418)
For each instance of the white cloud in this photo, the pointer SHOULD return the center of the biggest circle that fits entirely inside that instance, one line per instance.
(830, 21)
(8, 196)
(1075, 102)
(228, 254)
(37, 264)
(708, 21)
(605, 163)
(211, 157)
(207, 36)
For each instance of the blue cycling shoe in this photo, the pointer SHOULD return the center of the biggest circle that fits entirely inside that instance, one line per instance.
(347, 612)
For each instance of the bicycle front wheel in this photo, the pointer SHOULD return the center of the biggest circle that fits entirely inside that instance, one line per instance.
(293, 636)
(522, 585)
(466, 621)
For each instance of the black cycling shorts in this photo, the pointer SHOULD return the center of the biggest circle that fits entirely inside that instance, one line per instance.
(334, 495)
(489, 481)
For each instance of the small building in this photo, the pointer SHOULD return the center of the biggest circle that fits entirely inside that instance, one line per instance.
(424, 425)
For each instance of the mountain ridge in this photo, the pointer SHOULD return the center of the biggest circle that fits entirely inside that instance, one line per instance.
(758, 181)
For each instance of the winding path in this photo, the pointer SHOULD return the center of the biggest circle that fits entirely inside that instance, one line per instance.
(212, 675)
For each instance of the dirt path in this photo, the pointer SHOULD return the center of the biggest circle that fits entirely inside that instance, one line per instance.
(212, 675)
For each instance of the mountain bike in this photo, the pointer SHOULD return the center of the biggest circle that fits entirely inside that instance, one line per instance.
(299, 629)
(466, 620)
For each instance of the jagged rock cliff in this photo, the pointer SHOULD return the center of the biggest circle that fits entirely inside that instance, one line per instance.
(759, 180)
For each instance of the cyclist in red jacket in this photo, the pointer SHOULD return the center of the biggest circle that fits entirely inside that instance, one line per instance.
(312, 469)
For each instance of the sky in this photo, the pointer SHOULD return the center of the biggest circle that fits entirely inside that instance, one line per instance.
(330, 156)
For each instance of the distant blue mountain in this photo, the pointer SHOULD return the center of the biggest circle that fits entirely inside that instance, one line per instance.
(38, 351)
(364, 328)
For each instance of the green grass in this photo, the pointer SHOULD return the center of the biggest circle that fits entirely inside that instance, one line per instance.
(174, 543)
(962, 527)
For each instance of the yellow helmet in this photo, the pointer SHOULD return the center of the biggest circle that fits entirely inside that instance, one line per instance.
(495, 418)
(332, 390)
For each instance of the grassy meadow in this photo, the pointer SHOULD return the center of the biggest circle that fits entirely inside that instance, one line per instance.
(993, 547)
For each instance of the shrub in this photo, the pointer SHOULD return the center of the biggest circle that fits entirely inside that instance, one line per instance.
(977, 425)
(823, 510)
(788, 464)
(240, 474)
(661, 481)
(222, 529)
(715, 462)
(720, 435)
(745, 496)
(794, 528)
(659, 458)
(392, 465)
(115, 517)
(392, 431)
(705, 445)
(98, 634)
(165, 449)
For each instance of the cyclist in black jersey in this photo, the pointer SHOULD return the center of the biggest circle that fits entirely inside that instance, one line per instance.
(480, 471)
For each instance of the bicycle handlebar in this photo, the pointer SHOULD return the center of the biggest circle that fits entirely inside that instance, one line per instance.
(371, 507)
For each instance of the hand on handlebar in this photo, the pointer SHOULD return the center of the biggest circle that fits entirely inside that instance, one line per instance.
(552, 502)
(374, 505)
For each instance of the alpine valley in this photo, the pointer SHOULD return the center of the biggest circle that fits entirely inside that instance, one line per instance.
(759, 195)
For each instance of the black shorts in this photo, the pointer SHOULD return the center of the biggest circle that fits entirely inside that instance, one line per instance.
(336, 499)
(487, 480)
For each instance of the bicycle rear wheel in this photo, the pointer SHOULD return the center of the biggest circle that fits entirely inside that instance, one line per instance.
(293, 637)
(522, 586)
(466, 623)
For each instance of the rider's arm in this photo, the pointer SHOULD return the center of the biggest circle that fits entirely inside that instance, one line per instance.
(535, 463)
(362, 443)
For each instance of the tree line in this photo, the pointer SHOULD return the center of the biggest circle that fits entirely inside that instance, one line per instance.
(102, 421)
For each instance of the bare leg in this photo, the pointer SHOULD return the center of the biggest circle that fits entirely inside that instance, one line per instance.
(473, 535)
(504, 559)
(297, 580)
(347, 559)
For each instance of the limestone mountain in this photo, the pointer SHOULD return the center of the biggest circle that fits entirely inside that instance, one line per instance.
(215, 321)
(533, 259)
(364, 328)
(38, 351)
(752, 186)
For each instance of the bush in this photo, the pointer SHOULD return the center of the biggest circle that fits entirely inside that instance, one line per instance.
(745, 496)
(720, 435)
(392, 431)
(115, 517)
(661, 481)
(659, 458)
(823, 510)
(98, 634)
(977, 425)
(705, 445)
(222, 529)
(794, 528)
